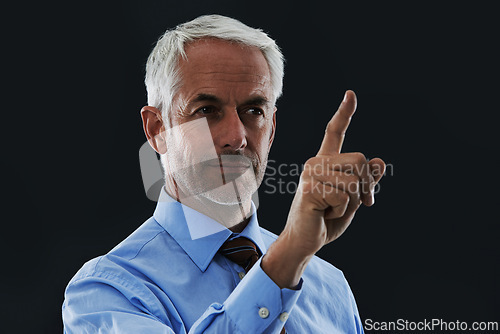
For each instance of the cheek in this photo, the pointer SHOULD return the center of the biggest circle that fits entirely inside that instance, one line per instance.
(259, 143)
(193, 141)
(265, 135)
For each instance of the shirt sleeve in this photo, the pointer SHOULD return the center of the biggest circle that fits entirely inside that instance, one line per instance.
(109, 303)
(103, 303)
(257, 305)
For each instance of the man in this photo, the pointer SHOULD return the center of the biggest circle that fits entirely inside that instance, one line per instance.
(202, 264)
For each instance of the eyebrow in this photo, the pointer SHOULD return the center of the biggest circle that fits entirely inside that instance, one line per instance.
(203, 97)
(257, 101)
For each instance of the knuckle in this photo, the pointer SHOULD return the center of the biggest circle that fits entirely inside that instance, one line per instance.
(330, 126)
(353, 187)
(308, 171)
(311, 162)
(349, 182)
(352, 178)
(306, 176)
(343, 197)
(360, 158)
(316, 166)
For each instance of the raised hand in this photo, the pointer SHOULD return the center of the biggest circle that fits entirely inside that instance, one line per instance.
(332, 187)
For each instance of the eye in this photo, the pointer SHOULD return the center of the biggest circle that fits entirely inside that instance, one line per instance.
(206, 110)
(254, 111)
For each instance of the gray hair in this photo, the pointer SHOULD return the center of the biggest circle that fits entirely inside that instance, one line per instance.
(162, 70)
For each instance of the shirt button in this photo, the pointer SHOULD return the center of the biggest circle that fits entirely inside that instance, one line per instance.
(284, 316)
(241, 275)
(263, 312)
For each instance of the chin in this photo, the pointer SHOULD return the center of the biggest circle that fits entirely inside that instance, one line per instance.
(238, 188)
(226, 195)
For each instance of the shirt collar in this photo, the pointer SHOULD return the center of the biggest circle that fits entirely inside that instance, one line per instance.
(200, 236)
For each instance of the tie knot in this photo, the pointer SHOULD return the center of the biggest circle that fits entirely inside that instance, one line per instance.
(241, 251)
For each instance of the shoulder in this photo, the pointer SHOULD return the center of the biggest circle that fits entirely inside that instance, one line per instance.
(120, 277)
(115, 264)
(135, 242)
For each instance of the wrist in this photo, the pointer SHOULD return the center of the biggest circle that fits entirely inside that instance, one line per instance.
(283, 264)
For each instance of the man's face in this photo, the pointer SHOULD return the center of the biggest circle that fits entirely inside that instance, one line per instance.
(222, 120)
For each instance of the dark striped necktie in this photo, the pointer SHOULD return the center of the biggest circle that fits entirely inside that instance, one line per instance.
(244, 253)
(241, 251)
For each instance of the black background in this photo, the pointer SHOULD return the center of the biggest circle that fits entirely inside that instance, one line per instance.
(426, 81)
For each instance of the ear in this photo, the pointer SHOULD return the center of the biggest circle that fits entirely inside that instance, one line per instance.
(154, 129)
(273, 129)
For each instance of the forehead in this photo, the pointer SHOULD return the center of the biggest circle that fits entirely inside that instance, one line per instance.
(212, 63)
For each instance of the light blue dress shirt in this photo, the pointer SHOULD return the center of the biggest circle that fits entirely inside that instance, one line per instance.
(167, 277)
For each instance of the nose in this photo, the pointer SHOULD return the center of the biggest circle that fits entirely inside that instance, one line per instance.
(230, 132)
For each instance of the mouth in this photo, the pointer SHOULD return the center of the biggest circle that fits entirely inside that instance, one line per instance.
(231, 163)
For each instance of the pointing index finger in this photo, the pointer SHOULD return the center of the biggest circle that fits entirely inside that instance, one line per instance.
(337, 126)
